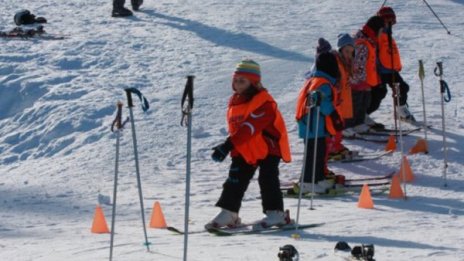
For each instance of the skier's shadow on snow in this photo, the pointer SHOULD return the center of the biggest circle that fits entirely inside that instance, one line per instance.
(241, 41)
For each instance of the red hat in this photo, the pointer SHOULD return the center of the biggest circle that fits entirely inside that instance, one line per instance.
(387, 13)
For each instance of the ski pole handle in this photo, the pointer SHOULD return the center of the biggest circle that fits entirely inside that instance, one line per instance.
(130, 104)
(117, 122)
(421, 70)
(439, 69)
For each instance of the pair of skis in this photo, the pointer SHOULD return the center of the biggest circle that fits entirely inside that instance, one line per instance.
(356, 157)
(377, 185)
(246, 229)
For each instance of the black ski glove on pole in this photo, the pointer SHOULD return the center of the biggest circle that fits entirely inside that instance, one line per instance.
(221, 151)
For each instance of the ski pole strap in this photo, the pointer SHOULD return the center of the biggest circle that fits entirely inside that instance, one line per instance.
(142, 98)
(187, 97)
(444, 88)
(438, 71)
(421, 70)
(117, 122)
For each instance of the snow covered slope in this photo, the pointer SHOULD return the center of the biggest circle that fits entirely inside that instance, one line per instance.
(58, 100)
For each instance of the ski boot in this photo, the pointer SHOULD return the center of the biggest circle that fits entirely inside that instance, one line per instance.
(405, 115)
(119, 10)
(136, 4)
(373, 125)
(225, 218)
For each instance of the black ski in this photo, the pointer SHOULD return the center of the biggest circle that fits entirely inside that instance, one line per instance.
(375, 188)
(366, 137)
(388, 132)
(362, 157)
(248, 230)
(388, 176)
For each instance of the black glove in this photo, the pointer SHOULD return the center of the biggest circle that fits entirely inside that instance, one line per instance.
(221, 151)
(314, 99)
(336, 121)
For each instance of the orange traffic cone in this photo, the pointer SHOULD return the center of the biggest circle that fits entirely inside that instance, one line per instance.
(157, 217)
(408, 175)
(421, 146)
(99, 225)
(365, 199)
(391, 144)
(395, 188)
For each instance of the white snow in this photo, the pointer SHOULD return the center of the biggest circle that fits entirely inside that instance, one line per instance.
(58, 101)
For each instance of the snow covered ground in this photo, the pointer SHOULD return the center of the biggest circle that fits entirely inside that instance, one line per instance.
(58, 100)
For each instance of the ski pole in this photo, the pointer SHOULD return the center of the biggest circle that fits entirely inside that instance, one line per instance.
(309, 105)
(187, 113)
(394, 90)
(145, 107)
(318, 110)
(403, 172)
(438, 18)
(118, 124)
(421, 77)
(443, 87)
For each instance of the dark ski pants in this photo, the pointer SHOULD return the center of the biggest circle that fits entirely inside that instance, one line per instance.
(379, 92)
(240, 175)
(320, 160)
(361, 101)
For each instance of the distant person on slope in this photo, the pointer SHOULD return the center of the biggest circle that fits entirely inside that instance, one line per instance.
(120, 11)
(318, 91)
(257, 139)
(365, 75)
(389, 67)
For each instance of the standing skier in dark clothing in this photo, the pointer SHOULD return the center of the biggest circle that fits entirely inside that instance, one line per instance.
(120, 11)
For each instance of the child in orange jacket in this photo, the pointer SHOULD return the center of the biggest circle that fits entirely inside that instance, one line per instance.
(257, 139)
(389, 67)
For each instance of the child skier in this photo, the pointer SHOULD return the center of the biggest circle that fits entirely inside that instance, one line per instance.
(389, 62)
(365, 76)
(320, 89)
(257, 139)
(344, 106)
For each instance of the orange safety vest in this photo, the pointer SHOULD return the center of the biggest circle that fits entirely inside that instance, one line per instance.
(345, 105)
(313, 84)
(372, 77)
(385, 54)
(256, 148)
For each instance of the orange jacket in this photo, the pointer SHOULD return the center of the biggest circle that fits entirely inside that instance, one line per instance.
(256, 148)
(344, 105)
(313, 84)
(372, 77)
(385, 54)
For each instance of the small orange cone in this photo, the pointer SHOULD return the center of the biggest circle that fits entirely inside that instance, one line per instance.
(157, 217)
(421, 146)
(395, 188)
(391, 144)
(365, 199)
(99, 225)
(408, 175)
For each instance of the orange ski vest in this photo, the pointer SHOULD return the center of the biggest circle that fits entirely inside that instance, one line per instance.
(385, 55)
(256, 148)
(372, 77)
(313, 84)
(345, 104)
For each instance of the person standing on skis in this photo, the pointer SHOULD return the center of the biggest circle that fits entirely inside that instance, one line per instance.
(365, 76)
(257, 139)
(389, 67)
(319, 91)
(345, 53)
